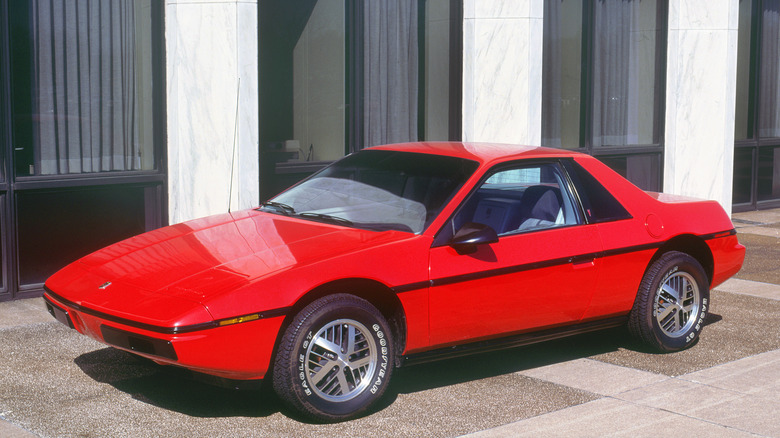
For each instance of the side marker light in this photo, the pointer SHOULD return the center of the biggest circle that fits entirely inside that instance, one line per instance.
(239, 319)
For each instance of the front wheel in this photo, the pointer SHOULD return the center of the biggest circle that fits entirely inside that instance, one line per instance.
(335, 359)
(671, 303)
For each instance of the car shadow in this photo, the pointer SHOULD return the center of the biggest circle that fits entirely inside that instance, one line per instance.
(712, 318)
(431, 375)
(485, 365)
(173, 389)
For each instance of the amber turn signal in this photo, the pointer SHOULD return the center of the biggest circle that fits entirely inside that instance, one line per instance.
(239, 319)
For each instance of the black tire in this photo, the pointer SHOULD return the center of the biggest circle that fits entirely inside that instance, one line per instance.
(327, 385)
(671, 304)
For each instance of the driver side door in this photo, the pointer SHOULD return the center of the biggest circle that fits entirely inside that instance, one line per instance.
(539, 271)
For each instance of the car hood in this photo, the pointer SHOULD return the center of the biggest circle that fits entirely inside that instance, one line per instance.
(202, 258)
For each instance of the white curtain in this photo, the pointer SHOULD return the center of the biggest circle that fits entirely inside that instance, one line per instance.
(625, 72)
(769, 95)
(86, 111)
(390, 72)
(611, 71)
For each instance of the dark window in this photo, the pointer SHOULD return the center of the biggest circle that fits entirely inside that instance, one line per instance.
(5, 141)
(598, 204)
(768, 173)
(644, 170)
(83, 94)
(603, 82)
(5, 293)
(757, 115)
(341, 75)
(57, 227)
(83, 129)
(743, 175)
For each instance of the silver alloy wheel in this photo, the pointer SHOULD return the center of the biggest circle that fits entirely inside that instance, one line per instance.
(340, 360)
(677, 304)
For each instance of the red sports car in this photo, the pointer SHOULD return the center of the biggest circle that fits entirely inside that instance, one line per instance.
(399, 254)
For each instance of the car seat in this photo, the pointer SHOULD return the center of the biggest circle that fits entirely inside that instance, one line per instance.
(540, 207)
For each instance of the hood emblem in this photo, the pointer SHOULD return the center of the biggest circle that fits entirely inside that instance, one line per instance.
(104, 285)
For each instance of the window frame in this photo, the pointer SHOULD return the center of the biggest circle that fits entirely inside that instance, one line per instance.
(355, 73)
(153, 183)
(276, 176)
(6, 293)
(158, 106)
(754, 143)
(573, 171)
(586, 144)
(447, 231)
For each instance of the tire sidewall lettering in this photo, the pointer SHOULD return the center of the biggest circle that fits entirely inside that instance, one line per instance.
(301, 357)
(643, 319)
(381, 369)
(693, 333)
(292, 365)
(700, 322)
(378, 378)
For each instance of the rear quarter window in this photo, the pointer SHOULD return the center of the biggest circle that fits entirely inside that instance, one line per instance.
(597, 202)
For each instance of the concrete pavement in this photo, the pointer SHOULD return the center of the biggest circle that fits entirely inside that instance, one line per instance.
(54, 382)
(740, 398)
(737, 398)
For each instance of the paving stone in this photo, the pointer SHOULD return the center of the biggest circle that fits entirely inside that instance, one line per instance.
(594, 376)
(679, 396)
(759, 373)
(612, 417)
(752, 288)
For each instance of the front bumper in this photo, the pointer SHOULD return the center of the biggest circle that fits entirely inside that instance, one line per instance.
(240, 351)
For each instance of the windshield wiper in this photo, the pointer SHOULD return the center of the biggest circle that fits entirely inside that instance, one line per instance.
(289, 211)
(280, 207)
(327, 218)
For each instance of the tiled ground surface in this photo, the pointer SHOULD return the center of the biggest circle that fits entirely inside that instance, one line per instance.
(54, 382)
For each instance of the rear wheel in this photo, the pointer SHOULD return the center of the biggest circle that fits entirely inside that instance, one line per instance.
(334, 360)
(671, 303)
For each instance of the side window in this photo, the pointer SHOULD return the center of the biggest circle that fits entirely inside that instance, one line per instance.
(598, 203)
(518, 199)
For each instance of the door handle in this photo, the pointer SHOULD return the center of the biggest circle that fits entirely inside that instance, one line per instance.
(583, 261)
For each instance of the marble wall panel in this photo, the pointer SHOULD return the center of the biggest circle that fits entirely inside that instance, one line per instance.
(502, 71)
(212, 106)
(502, 9)
(700, 99)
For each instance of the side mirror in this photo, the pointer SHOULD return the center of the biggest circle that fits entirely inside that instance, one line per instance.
(472, 234)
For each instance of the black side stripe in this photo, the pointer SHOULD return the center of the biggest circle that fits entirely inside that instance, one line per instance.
(727, 233)
(508, 270)
(412, 286)
(282, 311)
(544, 264)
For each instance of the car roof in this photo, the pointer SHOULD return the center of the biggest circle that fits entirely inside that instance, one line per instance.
(484, 153)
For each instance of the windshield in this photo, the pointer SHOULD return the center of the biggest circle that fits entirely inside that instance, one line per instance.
(377, 190)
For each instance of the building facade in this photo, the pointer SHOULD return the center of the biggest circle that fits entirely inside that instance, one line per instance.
(121, 116)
